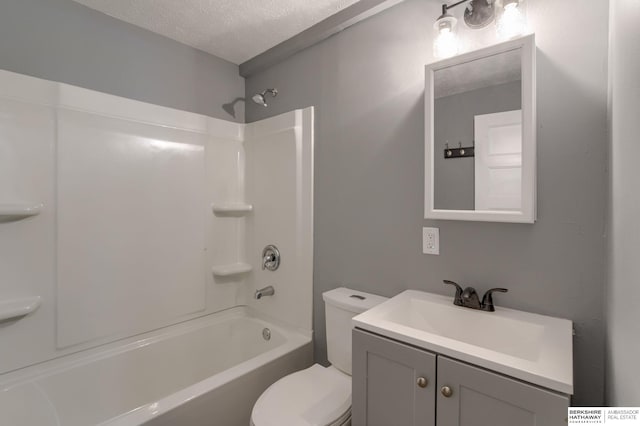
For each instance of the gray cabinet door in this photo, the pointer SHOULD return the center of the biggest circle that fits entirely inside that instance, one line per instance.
(482, 398)
(385, 383)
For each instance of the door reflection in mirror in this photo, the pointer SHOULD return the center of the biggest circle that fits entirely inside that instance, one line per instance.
(478, 103)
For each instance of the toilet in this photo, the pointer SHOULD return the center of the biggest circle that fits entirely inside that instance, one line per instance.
(319, 396)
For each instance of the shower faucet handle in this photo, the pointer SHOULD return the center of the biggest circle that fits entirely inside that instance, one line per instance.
(270, 258)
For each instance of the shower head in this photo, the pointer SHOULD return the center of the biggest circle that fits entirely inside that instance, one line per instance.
(260, 98)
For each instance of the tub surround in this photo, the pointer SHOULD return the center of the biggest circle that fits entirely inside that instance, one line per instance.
(147, 217)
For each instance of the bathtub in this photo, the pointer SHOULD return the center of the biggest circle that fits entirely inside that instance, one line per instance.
(208, 371)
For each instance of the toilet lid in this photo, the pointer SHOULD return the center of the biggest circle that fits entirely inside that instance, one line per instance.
(316, 396)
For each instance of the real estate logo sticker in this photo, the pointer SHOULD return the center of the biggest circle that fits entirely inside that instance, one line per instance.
(627, 416)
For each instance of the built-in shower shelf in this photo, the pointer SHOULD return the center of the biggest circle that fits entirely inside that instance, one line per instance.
(19, 211)
(232, 209)
(231, 269)
(15, 308)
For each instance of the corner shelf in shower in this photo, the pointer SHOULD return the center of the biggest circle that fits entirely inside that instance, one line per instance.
(19, 211)
(15, 308)
(231, 209)
(231, 269)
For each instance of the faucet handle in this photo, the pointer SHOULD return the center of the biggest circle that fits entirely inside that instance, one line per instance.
(457, 300)
(487, 299)
(270, 257)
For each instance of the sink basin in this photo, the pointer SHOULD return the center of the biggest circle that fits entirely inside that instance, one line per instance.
(530, 347)
(500, 333)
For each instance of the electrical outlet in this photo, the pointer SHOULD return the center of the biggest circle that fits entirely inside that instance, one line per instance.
(431, 241)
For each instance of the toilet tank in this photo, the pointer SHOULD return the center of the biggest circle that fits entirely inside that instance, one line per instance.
(340, 305)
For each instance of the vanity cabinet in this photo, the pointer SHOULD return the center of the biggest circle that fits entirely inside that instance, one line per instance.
(387, 390)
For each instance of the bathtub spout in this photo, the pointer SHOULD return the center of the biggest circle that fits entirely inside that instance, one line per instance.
(267, 291)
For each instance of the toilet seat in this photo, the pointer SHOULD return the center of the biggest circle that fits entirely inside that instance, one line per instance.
(318, 396)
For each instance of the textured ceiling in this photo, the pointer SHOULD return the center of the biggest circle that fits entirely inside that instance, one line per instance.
(485, 72)
(235, 30)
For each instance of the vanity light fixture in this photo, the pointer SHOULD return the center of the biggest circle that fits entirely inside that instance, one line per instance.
(478, 14)
(509, 15)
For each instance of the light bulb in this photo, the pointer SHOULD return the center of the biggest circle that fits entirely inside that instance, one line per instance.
(511, 20)
(445, 42)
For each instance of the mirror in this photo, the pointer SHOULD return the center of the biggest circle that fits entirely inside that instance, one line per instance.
(480, 145)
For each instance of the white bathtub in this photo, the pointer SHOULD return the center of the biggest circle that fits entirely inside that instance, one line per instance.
(209, 371)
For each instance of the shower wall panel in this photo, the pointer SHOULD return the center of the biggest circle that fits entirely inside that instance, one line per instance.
(27, 267)
(131, 211)
(279, 183)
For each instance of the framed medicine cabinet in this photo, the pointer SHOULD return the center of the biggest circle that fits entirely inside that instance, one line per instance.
(480, 135)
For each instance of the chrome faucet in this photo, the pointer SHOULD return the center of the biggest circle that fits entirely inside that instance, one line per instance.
(267, 291)
(469, 298)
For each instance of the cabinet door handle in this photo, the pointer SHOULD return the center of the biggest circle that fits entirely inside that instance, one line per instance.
(446, 391)
(422, 382)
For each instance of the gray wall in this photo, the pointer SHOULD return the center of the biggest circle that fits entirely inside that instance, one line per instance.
(367, 83)
(453, 116)
(64, 41)
(623, 345)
